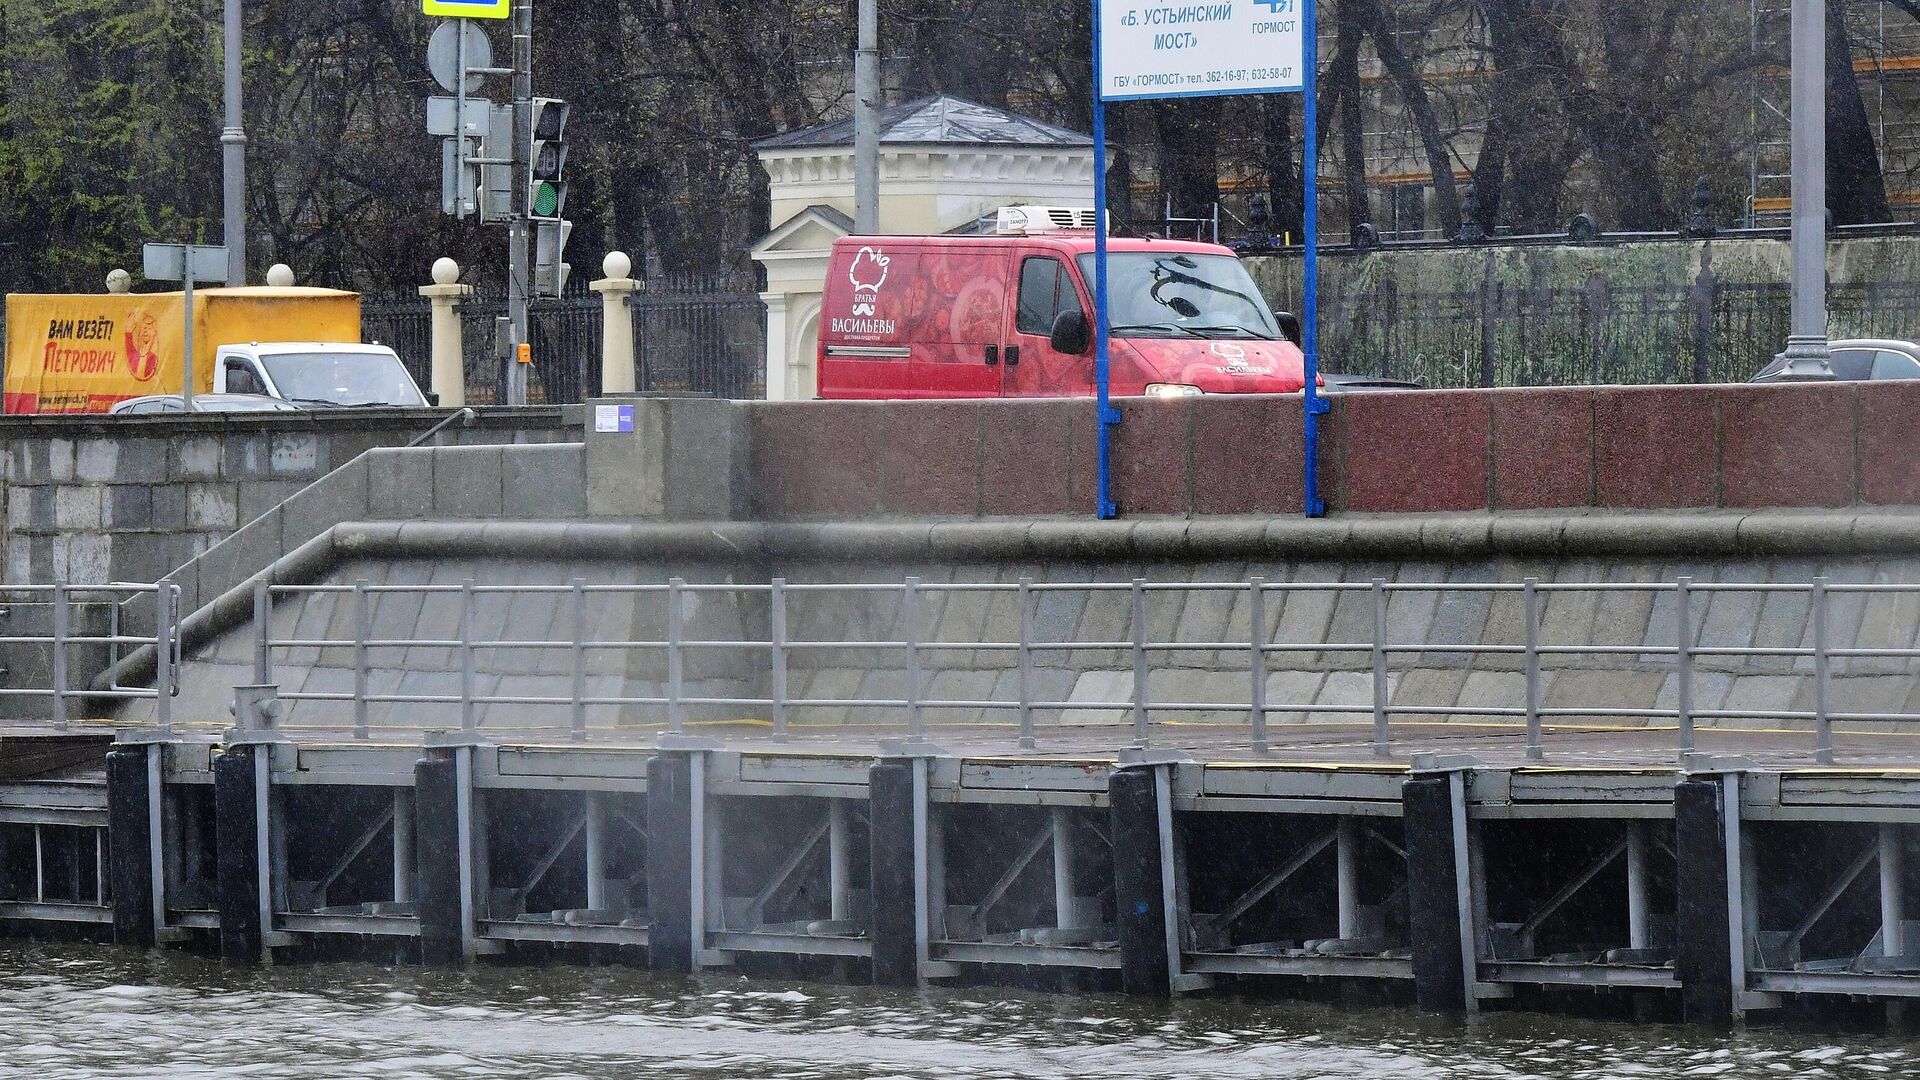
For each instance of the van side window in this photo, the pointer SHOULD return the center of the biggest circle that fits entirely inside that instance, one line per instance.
(1045, 291)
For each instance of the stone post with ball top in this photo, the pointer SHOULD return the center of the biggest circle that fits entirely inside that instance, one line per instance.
(616, 290)
(449, 359)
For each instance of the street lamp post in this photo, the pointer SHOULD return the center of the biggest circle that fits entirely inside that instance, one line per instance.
(1806, 353)
(233, 154)
(866, 124)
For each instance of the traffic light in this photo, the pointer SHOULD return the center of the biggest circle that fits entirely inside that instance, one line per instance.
(549, 249)
(547, 165)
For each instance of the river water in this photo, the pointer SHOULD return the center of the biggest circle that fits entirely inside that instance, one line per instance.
(86, 1011)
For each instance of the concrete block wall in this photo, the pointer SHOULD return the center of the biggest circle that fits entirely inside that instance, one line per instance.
(527, 481)
(96, 499)
(1606, 448)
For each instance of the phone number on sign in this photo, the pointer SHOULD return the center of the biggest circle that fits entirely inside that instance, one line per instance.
(1240, 75)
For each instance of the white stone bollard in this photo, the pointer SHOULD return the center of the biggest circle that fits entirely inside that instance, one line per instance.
(616, 323)
(449, 360)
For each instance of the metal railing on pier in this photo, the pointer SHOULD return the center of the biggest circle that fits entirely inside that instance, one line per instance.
(778, 648)
(62, 602)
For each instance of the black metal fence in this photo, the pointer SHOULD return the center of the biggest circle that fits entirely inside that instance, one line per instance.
(691, 334)
(1647, 312)
(1594, 334)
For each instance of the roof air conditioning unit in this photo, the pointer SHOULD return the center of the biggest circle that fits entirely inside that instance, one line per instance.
(1042, 219)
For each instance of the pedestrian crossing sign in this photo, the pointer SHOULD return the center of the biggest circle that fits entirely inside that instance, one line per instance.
(466, 9)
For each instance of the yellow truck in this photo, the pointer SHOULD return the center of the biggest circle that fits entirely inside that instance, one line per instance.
(83, 353)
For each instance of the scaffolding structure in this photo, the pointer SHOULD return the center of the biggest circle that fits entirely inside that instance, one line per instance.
(1886, 61)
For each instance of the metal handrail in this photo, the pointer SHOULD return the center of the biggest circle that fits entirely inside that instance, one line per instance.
(779, 645)
(61, 598)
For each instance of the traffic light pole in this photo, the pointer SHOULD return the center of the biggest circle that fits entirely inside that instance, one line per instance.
(519, 265)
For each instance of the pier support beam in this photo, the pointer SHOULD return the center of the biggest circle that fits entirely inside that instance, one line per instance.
(839, 860)
(671, 867)
(1139, 891)
(894, 790)
(436, 846)
(1064, 914)
(403, 845)
(1893, 890)
(1439, 903)
(132, 821)
(595, 840)
(241, 829)
(1346, 854)
(1710, 924)
(1639, 935)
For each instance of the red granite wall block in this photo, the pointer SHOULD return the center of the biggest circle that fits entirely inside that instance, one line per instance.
(1414, 452)
(1889, 446)
(813, 459)
(1787, 445)
(1655, 447)
(1032, 452)
(1247, 455)
(931, 464)
(1542, 448)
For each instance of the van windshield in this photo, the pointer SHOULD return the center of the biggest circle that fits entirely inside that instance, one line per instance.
(1178, 294)
(342, 378)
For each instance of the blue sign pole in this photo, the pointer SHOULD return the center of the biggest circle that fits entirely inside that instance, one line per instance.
(1107, 415)
(1310, 254)
(1230, 51)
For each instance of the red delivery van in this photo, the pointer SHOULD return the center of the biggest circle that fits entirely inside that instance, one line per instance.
(1008, 315)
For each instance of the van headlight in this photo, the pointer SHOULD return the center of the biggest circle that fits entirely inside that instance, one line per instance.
(1172, 390)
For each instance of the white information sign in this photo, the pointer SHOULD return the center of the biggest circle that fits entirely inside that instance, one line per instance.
(1193, 48)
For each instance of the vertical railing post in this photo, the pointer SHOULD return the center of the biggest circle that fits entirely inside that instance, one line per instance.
(469, 717)
(1822, 663)
(1026, 663)
(163, 671)
(577, 720)
(262, 630)
(1379, 589)
(676, 630)
(1140, 737)
(1530, 603)
(1257, 661)
(1683, 674)
(777, 661)
(362, 631)
(60, 633)
(910, 629)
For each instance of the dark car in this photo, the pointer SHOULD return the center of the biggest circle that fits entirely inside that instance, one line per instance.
(1853, 359)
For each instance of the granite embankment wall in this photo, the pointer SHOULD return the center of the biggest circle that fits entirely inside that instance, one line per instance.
(130, 498)
(1727, 485)
(1615, 448)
